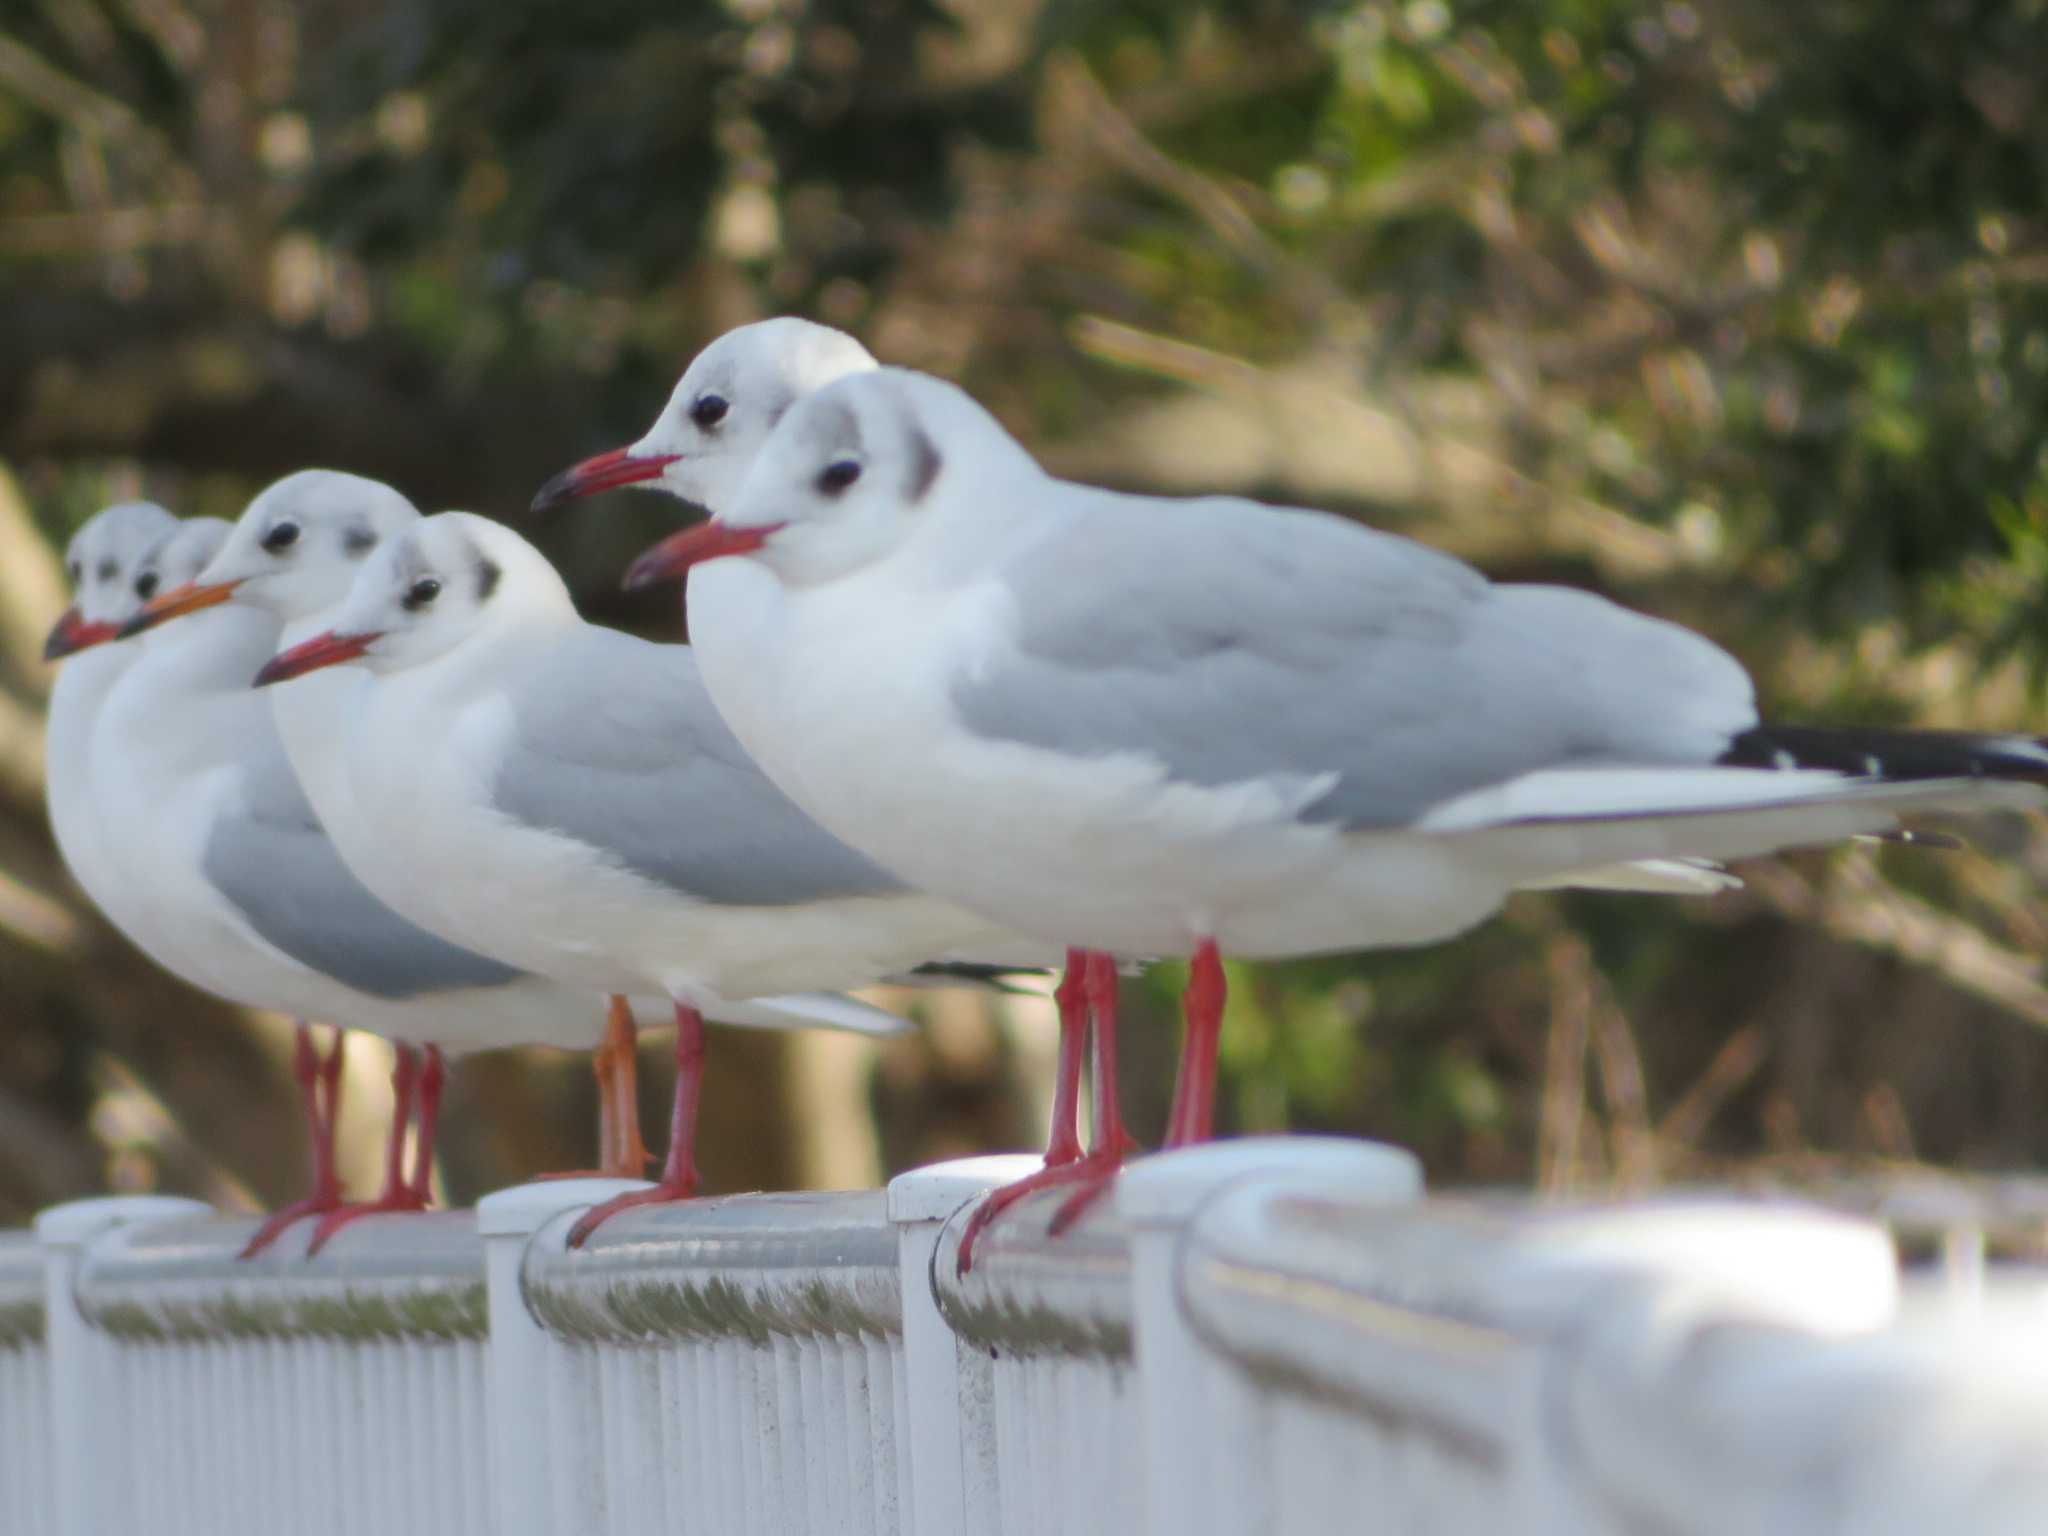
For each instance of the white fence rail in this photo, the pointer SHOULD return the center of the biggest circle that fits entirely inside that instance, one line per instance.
(1275, 1336)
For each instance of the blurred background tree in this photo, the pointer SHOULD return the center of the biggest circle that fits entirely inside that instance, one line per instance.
(1735, 311)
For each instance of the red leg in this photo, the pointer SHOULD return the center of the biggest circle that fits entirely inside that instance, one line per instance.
(1112, 1142)
(1063, 1141)
(679, 1172)
(1194, 1094)
(398, 1193)
(432, 1078)
(1088, 1175)
(314, 1074)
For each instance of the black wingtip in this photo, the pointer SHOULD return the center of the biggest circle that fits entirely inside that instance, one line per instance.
(1871, 753)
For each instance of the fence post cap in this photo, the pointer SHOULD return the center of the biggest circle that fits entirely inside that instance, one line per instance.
(936, 1192)
(77, 1221)
(1166, 1189)
(524, 1209)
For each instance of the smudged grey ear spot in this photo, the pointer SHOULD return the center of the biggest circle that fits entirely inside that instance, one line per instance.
(838, 426)
(487, 574)
(778, 410)
(925, 464)
(358, 540)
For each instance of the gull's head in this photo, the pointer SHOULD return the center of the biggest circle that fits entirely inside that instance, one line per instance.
(729, 400)
(177, 559)
(102, 563)
(854, 473)
(297, 547)
(448, 579)
(293, 551)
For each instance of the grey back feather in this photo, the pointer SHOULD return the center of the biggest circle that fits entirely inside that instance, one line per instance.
(274, 862)
(617, 745)
(1235, 643)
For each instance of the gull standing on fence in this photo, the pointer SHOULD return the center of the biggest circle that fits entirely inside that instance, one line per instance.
(292, 554)
(234, 886)
(608, 829)
(1204, 726)
(117, 561)
(699, 449)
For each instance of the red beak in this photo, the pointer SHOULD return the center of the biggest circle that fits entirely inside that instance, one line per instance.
(72, 633)
(326, 650)
(606, 472)
(674, 555)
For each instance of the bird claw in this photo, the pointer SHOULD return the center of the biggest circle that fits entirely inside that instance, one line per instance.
(393, 1202)
(1094, 1172)
(662, 1194)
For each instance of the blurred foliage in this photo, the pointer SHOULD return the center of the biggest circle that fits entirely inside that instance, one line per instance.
(1737, 311)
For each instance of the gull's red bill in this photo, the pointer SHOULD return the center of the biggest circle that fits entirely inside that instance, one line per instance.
(606, 472)
(73, 633)
(328, 650)
(674, 555)
(190, 598)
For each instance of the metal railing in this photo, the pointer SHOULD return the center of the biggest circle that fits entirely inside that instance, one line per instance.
(1278, 1336)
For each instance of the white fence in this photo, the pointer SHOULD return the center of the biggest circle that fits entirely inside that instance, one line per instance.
(1275, 1336)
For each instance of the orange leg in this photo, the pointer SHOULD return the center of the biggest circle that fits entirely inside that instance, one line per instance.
(621, 1153)
(679, 1172)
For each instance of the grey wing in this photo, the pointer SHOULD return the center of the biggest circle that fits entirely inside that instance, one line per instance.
(616, 744)
(270, 857)
(1234, 643)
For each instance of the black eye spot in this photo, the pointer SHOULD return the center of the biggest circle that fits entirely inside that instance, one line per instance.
(709, 411)
(838, 475)
(77, 572)
(421, 593)
(282, 536)
(145, 585)
(106, 570)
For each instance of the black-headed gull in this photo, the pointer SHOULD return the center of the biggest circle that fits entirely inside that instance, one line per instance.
(698, 451)
(608, 829)
(293, 555)
(229, 881)
(116, 562)
(1197, 726)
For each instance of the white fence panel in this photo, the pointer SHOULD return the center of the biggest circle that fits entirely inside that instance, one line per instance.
(343, 1393)
(1050, 1435)
(731, 1365)
(1261, 1336)
(28, 1492)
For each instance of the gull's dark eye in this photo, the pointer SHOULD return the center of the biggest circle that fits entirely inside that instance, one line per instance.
(77, 572)
(145, 585)
(838, 475)
(421, 593)
(709, 411)
(282, 536)
(107, 570)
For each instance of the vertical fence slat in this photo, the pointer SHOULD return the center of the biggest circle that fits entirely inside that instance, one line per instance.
(81, 1366)
(935, 1372)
